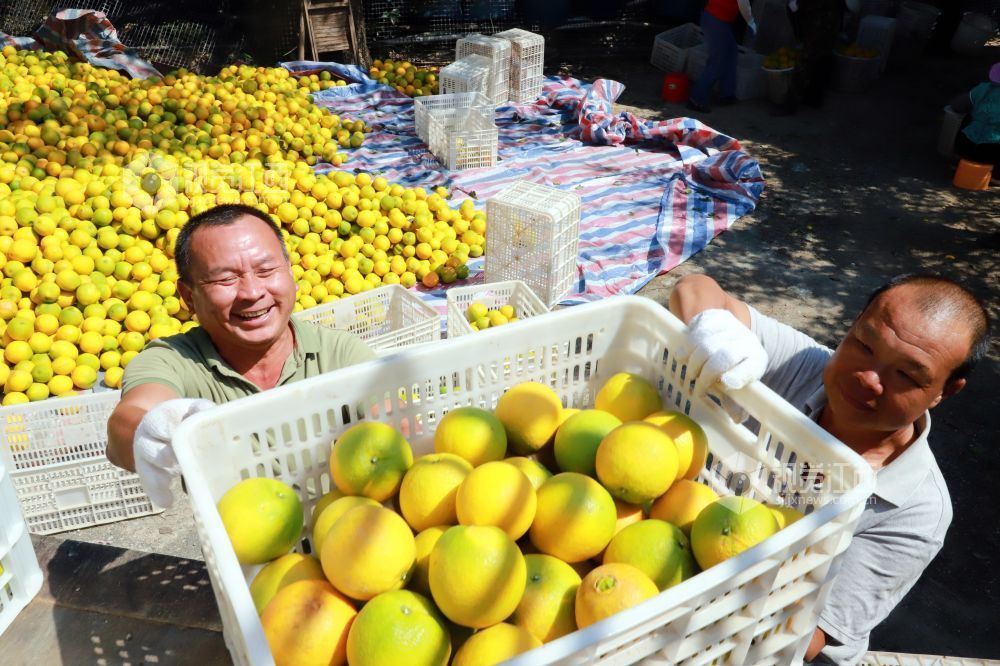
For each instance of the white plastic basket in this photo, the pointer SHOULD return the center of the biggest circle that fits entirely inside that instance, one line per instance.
(387, 318)
(758, 607)
(903, 659)
(422, 107)
(751, 80)
(527, 64)
(878, 33)
(493, 295)
(469, 74)
(534, 236)
(20, 577)
(670, 48)
(55, 451)
(463, 138)
(495, 49)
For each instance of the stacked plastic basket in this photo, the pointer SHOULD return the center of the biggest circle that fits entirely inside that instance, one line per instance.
(20, 577)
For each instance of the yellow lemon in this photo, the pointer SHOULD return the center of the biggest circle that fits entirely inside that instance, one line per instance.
(18, 380)
(536, 472)
(628, 396)
(611, 588)
(326, 500)
(497, 494)
(113, 377)
(575, 518)
(656, 548)
(83, 376)
(137, 321)
(15, 398)
(307, 624)
(20, 328)
(91, 342)
(472, 433)
(636, 462)
(399, 627)
(331, 514)
(785, 515)
(682, 503)
(494, 645)
(427, 494)
(626, 514)
(729, 526)
(477, 575)
(17, 351)
(579, 436)
(283, 571)
(425, 542)
(689, 438)
(368, 551)
(263, 518)
(370, 459)
(60, 385)
(530, 413)
(37, 391)
(546, 609)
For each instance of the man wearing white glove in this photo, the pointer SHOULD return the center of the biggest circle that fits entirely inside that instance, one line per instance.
(235, 276)
(913, 345)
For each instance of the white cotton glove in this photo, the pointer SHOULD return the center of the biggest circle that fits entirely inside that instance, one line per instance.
(723, 351)
(793, 5)
(155, 462)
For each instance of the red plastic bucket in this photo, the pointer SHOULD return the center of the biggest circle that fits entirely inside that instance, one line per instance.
(675, 87)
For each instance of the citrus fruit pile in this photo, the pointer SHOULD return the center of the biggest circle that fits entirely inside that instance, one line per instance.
(783, 58)
(525, 524)
(98, 173)
(405, 77)
(481, 317)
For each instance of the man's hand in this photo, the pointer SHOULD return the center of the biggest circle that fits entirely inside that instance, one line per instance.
(155, 462)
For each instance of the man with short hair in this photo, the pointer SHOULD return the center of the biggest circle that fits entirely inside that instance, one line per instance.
(912, 346)
(234, 275)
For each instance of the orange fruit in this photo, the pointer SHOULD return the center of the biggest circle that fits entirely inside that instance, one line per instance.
(626, 514)
(323, 502)
(477, 575)
(307, 623)
(628, 396)
(427, 494)
(370, 550)
(399, 627)
(546, 609)
(575, 518)
(263, 518)
(499, 494)
(494, 645)
(331, 514)
(425, 542)
(536, 472)
(370, 459)
(656, 548)
(729, 526)
(636, 462)
(611, 588)
(578, 438)
(530, 413)
(682, 503)
(283, 571)
(785, 515)
(472, 433)
(689, 438)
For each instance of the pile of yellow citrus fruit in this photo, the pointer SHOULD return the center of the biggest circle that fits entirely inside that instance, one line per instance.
(405, 77)
(98, 173)
(472, 555)
(481, 317)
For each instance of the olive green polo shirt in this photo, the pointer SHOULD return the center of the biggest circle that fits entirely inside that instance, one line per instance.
(190, 364)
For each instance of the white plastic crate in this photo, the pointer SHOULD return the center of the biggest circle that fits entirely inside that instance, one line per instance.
(877, 32)
(55, 451)
(758, 607)
(527, 64)
(20, 576)
(495, 49)
(470, 74)
(463, 139)
(903, 659)
(493, 295)
(671, 48)
(422, 106)
(387, 318)
(534, 236)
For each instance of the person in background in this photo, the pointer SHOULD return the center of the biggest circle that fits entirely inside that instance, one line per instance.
(718, 21)
(817, 25)
(979, 138)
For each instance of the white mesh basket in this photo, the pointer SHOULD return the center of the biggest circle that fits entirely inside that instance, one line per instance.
(387, 318)
(55, 451)
(469, 74)
(495, 49)
(533, 235)
(463, 138)
(20, 577)
(670, 48)
(493, 295)
(422, 107)
(758, 607)
(527, 62)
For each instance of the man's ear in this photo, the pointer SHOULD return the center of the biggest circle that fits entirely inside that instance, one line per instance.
(185, 291)
(950, 389)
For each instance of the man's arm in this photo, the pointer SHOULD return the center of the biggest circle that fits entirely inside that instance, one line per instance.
(693, 294)
(816, 644)
(126, 417)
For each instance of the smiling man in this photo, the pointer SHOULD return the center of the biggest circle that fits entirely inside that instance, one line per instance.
(911, 347)
(234, 274)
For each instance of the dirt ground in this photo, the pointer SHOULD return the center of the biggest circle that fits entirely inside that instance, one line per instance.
(855, 193)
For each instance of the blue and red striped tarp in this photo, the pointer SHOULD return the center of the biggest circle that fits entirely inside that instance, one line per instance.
(654, 193)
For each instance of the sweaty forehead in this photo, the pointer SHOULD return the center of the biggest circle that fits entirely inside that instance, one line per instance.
(906, 315)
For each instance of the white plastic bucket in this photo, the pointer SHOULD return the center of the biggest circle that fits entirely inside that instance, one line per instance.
(972, 33)
(951, 122)
(916, 20)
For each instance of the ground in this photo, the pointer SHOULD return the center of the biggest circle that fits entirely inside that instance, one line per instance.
(855, 193)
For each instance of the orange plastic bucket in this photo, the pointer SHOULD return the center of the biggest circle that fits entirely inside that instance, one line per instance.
(675, 87)
(972, 175)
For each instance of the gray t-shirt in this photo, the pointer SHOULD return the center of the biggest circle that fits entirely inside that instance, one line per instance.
(903, 524)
